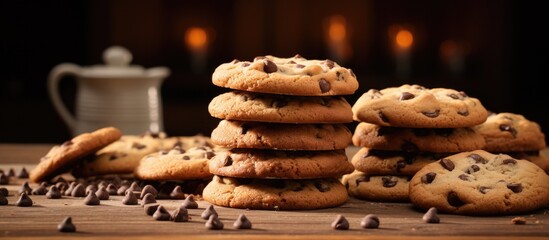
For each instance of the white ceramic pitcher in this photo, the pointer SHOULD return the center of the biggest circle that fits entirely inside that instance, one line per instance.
(116, 94)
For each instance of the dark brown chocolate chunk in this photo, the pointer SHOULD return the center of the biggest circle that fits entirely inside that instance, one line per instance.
(370, 221)
(189, 202)
(454, 200)
(25, 188)
(111, 188)
(4, 191)
(432, 114)
(150, 208)
(322, 187)
(473, 168)
(92, 199)
(177, 193)
(269, 66)
(329, 63)
(180, 214)
(477, 158)
(79, 190)
(242, 222)
(383, 117)
(161, 214)
(41, 190)
(515, 187)
(129, 198)
(324, 85)
(23, 173)
(508, 128)
(66, 225)
(406, 96)
(214, 223)
(447, 163)
(4, 179)
(148, 198)
(431, 216)
(135, 187)
(3, 199)
(464, 177)
(428, 177)
(484, 189)
(53, 193)
(389, 181)
(148, 189)
(209, 155)
(209, 211)
(510, 161)
(228, 161)
(102, 193)
(24, 200)
(91, 188)
(340, 223)
(121, 191)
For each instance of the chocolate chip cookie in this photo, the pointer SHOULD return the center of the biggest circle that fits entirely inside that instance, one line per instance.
(415, 106)
(288, 76)
(480, 183)
(385, 188)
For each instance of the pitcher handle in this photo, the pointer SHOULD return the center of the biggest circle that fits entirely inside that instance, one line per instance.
(56, 74)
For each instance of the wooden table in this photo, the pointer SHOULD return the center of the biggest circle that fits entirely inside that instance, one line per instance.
(114, 220)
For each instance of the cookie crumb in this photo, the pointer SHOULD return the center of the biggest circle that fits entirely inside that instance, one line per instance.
(518, 220)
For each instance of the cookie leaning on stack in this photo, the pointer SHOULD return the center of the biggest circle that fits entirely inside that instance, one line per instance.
(283, 125)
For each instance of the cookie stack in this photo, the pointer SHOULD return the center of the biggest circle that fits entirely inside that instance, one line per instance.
(283, 127)
(402, 129)
(515, 135)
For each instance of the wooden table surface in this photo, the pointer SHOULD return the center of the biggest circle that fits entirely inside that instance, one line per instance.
(114, 220)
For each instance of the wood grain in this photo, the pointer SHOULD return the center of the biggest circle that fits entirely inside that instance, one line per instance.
(114, 220)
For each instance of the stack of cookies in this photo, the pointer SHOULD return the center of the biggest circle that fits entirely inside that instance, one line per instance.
(402, 129)
(283, 128)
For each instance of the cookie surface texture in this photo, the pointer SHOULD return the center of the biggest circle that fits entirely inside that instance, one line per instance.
(384, 188)
(287, 76)
(415, 106)
(480, 183)
(62, 157)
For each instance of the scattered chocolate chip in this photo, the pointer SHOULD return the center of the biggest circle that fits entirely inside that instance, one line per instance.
(477, 158)
(484, 189)
(242, 222)
(322, 187)
(518, 220)
(24, 200)
(431, 216)
(370, 221)
(473, 168)
(180, 214)
(148, 198)
(66, 225)
(79, 190)
(135, 187)
(150, 208)
(269, 66)
(340, 223)
(25, 188)
(40, 190)
(102, 193)
(428, 177)
(148, 189)
(432, 114)
(515, 187)
(92, 199)
(464, 177)
(454, 200)
(23, 173)
(91, 188)
(177, 193)
(298, 56)
(406, 96)
(129, 198)
(209, 155)
(388, 181)
(53, 193)
(189, 202)
(209, 211)
(111, 188)
(510, 161)
(447, 163)
(213, 223)
(324, 85)
(161, 214)
(508, 128)
(121, 191)
(453, 96)
(383, 117)
(4, 191)
(4, 179)
(3, 199)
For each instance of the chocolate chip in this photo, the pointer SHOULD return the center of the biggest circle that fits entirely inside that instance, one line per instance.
(24, 200)
(464, 177)
(25, 188)
(3, 200)
(213, 223)
(383, 117)
(447, 163)
(484, 189)
(509, 161)
(478, 158)
(180, 214)
(508, 128)
(473, 168)
(147, 199)
(400, 164)
(409, 147)
(340, 223)
(177, 193)
(189, 202)
(432, 114)
(150, 208)
(102, 193)
(23, 173)
(464, 113)
(4, 191)
(389, 182)
(515, 187)
(53, 193)
(322, 187)
(112, 189)
(129, 198)
(40, 190)
(431, 216)
(453, 95)
(454, 200)
(370, 221)
(406, 96)
(324, 85)
(4, 179)
(148, 189)
(242, 222)
(209, 155)
(186, 158)
(362, 179)
(428, 177)
(161, 214)
(269, 66)
(138, 146)
(91, 199)
(66, 225)
(209, 211)
(329, 63)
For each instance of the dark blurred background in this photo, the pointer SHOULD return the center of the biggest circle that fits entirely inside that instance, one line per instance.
(493, 50)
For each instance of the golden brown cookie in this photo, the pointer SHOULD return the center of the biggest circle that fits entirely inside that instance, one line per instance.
(378, 188)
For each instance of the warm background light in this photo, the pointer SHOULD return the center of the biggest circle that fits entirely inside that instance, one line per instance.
(196, 38)
(404, 39)
(337, 29)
